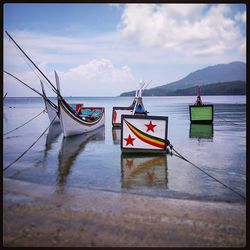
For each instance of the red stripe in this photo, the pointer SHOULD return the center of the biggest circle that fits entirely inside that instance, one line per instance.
(146, 141)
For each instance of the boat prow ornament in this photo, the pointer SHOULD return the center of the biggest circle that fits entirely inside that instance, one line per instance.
(144, 134)
(136, 108)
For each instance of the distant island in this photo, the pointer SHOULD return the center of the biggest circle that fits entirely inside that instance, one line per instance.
(221, 79)
(221, 88)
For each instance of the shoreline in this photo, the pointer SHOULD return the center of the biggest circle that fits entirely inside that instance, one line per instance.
(39, 215)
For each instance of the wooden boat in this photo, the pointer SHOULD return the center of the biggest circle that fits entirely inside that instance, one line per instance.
(136, 108)
(144, 170)
(51, 107)
(118, 111)
(71, 122)
(201, 113)
(144, 133)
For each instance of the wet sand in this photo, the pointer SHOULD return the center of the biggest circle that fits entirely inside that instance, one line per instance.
(38, 215)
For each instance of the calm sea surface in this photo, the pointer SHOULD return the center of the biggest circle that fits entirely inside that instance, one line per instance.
(95, 160)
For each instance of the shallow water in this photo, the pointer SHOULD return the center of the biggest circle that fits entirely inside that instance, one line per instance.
(95, 161)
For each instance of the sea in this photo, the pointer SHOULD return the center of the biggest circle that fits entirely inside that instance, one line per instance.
(216, 153)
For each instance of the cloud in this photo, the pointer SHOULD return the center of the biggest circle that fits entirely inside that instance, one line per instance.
(78, 61)
(162, 42)
(187, 29)
(98, 77)
(241, 17)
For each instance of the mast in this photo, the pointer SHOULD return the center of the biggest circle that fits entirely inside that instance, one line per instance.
(54, 89)
(199, 91)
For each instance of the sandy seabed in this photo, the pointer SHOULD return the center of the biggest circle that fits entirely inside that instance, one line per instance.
(38, 215)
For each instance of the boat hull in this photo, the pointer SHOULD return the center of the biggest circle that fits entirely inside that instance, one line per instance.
(52, 112)
(117, 112)
(73, 125)
(144, 134)
(201, 114)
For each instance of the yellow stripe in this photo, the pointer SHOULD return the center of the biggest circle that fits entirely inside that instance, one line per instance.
(145, 137)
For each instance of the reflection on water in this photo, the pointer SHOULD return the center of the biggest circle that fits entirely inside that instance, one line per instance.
(201, 131)
(53, 133)
(86, 162)
(71, 147)
(144, 171)
(116, 134)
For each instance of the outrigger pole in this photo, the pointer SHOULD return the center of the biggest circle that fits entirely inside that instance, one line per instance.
(54, 88)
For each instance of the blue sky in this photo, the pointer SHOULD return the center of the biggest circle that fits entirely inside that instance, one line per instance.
(105, 49)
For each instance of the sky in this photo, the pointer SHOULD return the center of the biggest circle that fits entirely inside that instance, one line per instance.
(106, 49)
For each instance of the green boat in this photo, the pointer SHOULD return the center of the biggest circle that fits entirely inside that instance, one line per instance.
(201, 113)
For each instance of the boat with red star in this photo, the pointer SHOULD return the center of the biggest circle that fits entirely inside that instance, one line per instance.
(144, 133)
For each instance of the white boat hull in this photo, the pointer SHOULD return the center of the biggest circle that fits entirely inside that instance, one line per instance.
(52, 112)
(73, 125)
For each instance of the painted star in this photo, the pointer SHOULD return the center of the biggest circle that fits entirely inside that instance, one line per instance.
(150, 127)
(129, 140)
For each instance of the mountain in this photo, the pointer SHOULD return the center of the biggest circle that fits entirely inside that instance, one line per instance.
(234, 71)
(220, 88)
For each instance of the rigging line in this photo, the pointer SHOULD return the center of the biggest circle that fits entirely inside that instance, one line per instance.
(242, 196)
(24, 123)
(5, 95)
(31, 61)
(29, 64)
(29, 147)
(34, 70)
(27, 61)
(147, 85)
(24, 83)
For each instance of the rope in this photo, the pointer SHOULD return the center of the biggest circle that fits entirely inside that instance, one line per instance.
(29, 147)
(27, 57)
(185, 159)
(24, 123)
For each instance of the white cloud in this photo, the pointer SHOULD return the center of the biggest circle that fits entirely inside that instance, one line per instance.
(241, 17)
(188, 29)
(149, 40)
(98, 77)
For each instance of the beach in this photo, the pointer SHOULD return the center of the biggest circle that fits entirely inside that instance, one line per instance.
(40, 215)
